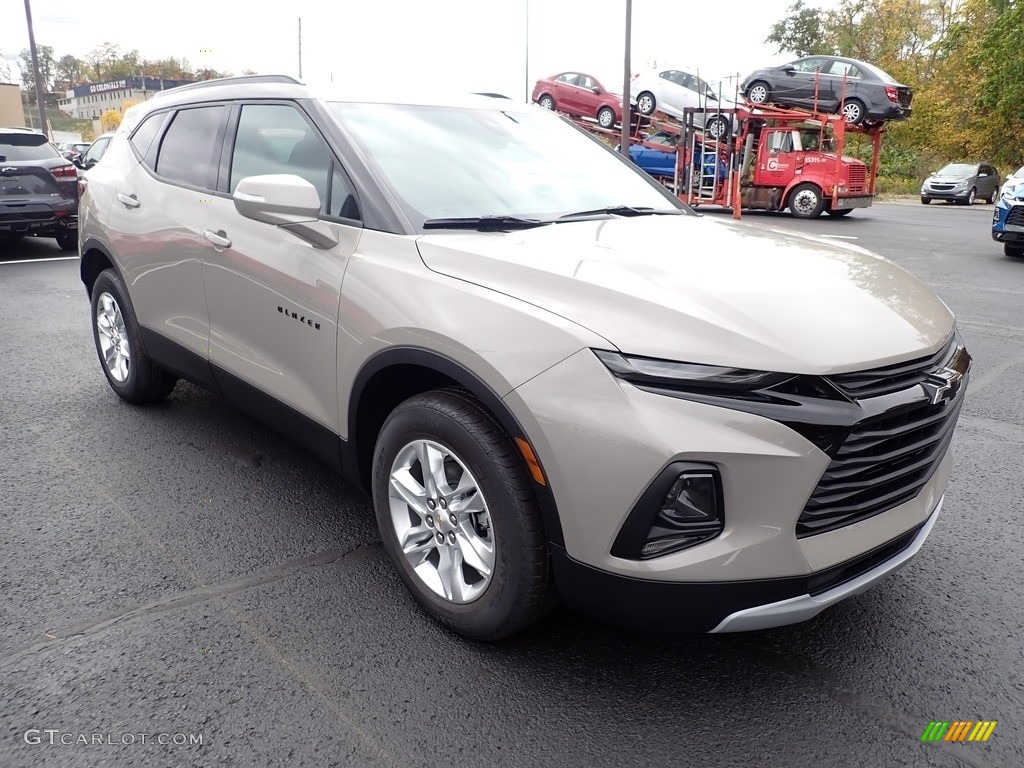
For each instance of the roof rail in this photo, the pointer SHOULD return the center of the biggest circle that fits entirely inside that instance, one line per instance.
(287, 79)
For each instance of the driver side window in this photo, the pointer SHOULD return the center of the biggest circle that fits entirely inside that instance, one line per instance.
(276, 138)
(809, 65)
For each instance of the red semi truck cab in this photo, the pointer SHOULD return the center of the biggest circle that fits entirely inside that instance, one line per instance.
(800, 169)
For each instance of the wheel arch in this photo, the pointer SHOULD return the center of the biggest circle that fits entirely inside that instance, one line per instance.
(398, 373)
(95, 259)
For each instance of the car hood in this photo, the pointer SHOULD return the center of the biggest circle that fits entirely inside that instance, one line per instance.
(949, 179)
(708, 290)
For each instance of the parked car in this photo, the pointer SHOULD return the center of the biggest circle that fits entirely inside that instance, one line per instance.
(38, 189)
(581, 95)
(962, 183)
(656, 155)
(553, 378)
(672, 91)
(1015, 178)
(858, 90)
(1008, 220)
(71, 150)
(94, 153)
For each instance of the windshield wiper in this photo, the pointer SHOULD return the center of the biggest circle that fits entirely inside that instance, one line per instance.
(484, 223)
(621, 210)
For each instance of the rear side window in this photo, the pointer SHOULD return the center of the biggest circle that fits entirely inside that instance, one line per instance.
(144, 137)
(27, 146)
(188, 152)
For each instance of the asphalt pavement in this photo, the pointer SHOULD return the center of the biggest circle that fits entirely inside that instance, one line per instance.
(180, 573)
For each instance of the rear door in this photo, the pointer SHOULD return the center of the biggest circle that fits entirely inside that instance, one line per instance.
(273, 297)
(154, 226)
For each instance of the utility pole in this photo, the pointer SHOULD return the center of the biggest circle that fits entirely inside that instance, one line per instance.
(300, 47)
(40, 98)
(626, 79)
(526, 55)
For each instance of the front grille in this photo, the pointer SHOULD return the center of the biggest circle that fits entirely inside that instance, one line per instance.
(858, 174)
(884, 462)
(942, 187)
(1015, 218)
(890, 378)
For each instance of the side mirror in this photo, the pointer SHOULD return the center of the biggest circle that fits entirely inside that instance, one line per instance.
(286, 201)
(90, 163)
(595, 89)
(77, 162)
(982, 175)
(789, 69)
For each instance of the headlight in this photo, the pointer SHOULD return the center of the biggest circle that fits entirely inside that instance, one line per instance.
(679, 375)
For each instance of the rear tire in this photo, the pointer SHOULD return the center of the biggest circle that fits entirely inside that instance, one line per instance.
(68, 241)
(505, 533)
(131, 373)
(993, 196)
(546, 101)
(853, 112)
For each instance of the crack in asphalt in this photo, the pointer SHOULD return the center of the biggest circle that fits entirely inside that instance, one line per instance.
(202, 594)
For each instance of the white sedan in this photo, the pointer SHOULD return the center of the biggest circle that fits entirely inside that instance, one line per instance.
(673, 90)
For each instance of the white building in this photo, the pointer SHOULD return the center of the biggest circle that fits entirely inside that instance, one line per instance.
(89, 102)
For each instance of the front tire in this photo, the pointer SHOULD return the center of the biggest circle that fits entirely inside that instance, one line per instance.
(806, 202)
(758, 93)
(839, 212)
(925, 200)
(115, 330)
(1016, 251)
(646, 104)
(458, 516)
(971, 197)
(606, 117)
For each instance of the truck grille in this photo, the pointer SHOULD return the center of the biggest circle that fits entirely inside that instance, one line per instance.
(886, 459)
(1015, 218)
(858, 174)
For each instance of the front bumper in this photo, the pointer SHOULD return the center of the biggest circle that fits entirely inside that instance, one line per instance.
(728, 606)
(601, 441)
(945, 194)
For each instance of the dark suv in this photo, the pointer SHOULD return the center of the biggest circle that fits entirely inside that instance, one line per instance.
(38, 189)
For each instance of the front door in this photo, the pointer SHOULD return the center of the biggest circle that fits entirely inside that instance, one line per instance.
(273, 297)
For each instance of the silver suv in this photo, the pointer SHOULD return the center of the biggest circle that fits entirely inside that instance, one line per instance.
(553, 379)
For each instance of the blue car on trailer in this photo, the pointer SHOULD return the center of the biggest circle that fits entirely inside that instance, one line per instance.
(656, 155)
(1008, 221)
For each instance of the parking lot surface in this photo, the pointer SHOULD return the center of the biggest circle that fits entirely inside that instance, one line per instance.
(180, 570)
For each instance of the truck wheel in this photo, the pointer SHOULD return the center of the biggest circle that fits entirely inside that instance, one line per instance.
(806, 202)
(1016, 251)
(459, 518)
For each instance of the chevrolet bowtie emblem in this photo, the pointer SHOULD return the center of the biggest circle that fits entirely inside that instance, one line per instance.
(944, 383)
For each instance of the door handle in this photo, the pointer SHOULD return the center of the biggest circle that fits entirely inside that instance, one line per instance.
(129, 201)
(218, 239)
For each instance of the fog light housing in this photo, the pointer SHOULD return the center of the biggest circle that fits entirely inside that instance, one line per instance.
(680, 509)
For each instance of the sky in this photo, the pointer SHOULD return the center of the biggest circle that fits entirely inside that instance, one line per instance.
(473, 45)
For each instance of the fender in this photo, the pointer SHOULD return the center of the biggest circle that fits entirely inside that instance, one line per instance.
(358, 473)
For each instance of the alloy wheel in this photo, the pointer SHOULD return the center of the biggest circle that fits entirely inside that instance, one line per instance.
(113, 338)
(441, 520)
(758, 94)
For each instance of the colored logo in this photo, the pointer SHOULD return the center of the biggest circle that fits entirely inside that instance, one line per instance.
(959, 730)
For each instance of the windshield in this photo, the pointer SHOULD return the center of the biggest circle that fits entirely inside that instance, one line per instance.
(958, 169)
(448, 162)
(1018, 173)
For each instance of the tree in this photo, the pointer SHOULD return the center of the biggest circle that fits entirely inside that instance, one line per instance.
(803, 32)
(110, 120)
(47, 67)
(69, 72)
